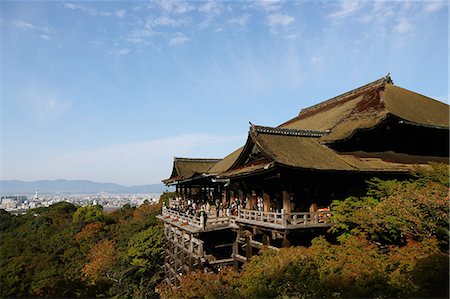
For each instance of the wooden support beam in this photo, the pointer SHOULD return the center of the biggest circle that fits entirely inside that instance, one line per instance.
(222, 261)
(286, 202)
(248, 249)
(266, 202)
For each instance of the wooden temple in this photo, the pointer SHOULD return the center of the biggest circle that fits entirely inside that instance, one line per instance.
(277, 189)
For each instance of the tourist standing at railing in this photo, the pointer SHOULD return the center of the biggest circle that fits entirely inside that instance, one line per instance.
(234, 208)
(203, 216)
(244, 202)
(208, 207)
(217, 207)
(260, 205)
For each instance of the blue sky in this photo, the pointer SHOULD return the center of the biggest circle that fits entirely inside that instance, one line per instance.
(111, 91)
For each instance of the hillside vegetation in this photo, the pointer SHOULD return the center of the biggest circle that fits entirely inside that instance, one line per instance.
(70, 251)
(392, 243)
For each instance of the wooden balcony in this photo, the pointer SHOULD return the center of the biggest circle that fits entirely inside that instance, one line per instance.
(193, 223)
(276, 220)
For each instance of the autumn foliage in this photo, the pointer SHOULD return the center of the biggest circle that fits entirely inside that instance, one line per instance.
(102, 257)
(66, 251)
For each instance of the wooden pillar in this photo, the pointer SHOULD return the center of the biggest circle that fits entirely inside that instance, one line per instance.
(285, 242)
(224, 195)
(249, 201)
(266, 201)
(236, 250)
(266, 239)
(191, 252)
(182, 260)
(286, 202)
(248, 247)
(252, 199)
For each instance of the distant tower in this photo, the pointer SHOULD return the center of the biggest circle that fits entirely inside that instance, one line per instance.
(36, 195)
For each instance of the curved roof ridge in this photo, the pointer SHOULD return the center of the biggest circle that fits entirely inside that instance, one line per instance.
(376, 83)
(286, 131)
(181, 159)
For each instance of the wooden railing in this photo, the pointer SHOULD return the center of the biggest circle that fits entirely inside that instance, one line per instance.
(283, 220)
(192, 220)
(201, 222)
(262, 217)
(269, 219)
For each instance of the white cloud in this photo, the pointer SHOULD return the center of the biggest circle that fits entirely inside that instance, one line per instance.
(76, 6)
(72, 6)
(241, 21)
(164, 21)
(379, 13)
(175, 7)
(120, 52)
(212, 7)
(347, 8)
(403, 26)
(121, 13)
(46, 105)
(180, 38)
(268, 5)
(28, 26)
(433, 5)
(279, 19)
(23, 25)
(291, 36)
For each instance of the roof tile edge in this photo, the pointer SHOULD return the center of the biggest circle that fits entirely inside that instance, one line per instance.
(286, 132)
(212, 160)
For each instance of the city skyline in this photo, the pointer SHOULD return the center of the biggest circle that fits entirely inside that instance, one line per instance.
(111, 91)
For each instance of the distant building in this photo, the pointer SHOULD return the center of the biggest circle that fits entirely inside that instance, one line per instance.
(8, 203)
(277, 189)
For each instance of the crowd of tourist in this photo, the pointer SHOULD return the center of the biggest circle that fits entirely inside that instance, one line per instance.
(208, 208)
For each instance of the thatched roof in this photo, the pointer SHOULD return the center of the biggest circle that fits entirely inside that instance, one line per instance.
(185, 168)
(303, 150)
(367, 106)
(225, 164)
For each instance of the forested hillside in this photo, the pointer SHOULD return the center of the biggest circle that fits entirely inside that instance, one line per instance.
(70, 251)
(391, 243)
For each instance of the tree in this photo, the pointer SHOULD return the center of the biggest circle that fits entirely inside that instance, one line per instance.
(393, 212)
(89, 214)
(102, 258)
(145, 249)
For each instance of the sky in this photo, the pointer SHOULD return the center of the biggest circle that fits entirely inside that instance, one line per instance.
(112, 91)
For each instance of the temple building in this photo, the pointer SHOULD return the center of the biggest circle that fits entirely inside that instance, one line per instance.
(277, 189)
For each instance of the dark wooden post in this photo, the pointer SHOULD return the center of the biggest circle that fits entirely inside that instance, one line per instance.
(266, 201)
